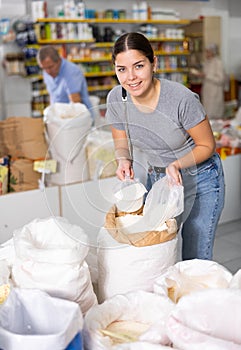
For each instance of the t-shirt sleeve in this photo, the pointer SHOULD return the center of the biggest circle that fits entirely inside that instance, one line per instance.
(191, 111)
(115, 109)
(74, 81)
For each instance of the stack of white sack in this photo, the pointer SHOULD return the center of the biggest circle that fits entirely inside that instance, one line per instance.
(101, 154)
(135, 320)
(67, 128)
(188, 276)
(208, 319)
(50, 255)
(134, 250)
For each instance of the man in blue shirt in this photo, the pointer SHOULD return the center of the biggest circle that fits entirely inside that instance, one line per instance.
(64, 80)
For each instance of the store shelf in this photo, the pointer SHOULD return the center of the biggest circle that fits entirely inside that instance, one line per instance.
(63, 41)
(37, 93)
(101, 87)
(91, 59)
(113, 21)
(201, 32)
(94, 56)
(172, 53)
(172, 70)
(99, 74)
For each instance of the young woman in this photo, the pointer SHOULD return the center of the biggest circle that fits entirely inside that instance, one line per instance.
(168, 123)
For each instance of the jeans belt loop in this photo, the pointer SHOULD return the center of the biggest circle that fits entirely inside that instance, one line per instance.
(159, 170)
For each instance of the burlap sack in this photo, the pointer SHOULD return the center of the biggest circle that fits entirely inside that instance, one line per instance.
(22, 176)
(138, 239)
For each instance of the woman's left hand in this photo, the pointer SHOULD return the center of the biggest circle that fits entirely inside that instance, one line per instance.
(173, 172)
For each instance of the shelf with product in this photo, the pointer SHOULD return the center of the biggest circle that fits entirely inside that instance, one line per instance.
(40, 96)
(88, 43)
(201, 32)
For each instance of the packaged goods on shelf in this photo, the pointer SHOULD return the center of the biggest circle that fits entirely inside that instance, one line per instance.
(4, 174)
(164, 14)
(14, 64)
(3, 179)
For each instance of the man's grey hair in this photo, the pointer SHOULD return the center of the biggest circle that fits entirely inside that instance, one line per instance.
(47, 52)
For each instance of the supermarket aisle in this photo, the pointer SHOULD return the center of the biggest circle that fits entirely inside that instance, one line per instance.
(227, 245)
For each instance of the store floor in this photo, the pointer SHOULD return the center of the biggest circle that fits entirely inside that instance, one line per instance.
(227, 246)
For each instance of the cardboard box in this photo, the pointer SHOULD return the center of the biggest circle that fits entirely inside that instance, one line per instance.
(23, 137)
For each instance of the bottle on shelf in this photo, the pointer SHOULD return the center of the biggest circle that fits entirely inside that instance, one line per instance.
(143, 11)
(81, 9)
(135, 11)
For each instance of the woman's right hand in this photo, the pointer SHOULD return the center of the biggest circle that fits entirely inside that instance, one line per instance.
(124, 169)
(173, 172)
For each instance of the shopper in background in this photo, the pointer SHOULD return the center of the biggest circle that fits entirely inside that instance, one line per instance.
(64, 80)
(213, 83)
(166, 121)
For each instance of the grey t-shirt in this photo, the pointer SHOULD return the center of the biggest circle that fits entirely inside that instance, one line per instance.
(161, 134)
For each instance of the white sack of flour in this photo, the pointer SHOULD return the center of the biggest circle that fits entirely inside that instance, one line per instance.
(50, 255)
(208, 319)
(139, 317)
(123, 268)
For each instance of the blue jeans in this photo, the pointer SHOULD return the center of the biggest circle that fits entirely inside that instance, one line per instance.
(204, 192)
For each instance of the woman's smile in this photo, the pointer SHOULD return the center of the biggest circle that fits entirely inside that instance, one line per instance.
(134, 71)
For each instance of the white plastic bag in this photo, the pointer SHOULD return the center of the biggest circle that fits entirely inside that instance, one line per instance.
(164, 201)
(7, 252)
(101, 154)
(4, 272)
(123, 268)
(208, 319)
(145, 308)
(68, 115)
(48, 257)
(31, 319)
(67, 127)
(188, 276)
(66, 138)
(236, 280)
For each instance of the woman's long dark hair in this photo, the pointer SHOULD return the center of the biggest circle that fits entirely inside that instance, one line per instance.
(133, 41)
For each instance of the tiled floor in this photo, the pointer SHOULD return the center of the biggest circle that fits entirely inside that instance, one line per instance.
(227, 245)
